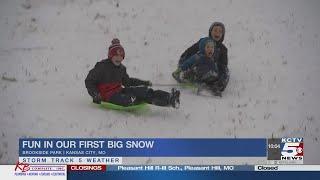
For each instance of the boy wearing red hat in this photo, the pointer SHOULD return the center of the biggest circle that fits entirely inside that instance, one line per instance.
(108, 81)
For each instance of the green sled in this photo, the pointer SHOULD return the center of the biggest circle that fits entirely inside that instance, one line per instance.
(109, 105)
(189, 85)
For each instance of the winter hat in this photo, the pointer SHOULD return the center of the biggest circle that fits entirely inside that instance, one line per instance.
(203, 43)
(217, 24)
(115, 49)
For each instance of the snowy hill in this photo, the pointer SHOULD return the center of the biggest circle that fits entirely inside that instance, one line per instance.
(48, 47)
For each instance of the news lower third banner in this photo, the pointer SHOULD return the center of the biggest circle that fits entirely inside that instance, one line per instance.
(110, 151)
(160, 172)
(168, 172)
(53, 148)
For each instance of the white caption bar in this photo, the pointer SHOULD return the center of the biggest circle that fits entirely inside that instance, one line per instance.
(287, 167)
(72, 160)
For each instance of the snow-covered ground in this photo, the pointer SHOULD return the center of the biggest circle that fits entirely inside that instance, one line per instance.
(47, 48)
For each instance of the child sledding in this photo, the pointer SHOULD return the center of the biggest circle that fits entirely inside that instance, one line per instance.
(109, 82)
(200, 68)
(202, 65)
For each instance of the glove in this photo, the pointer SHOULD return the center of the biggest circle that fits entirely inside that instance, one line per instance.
(177, 75)
(97, 98)
(178, 71)
(147, 83)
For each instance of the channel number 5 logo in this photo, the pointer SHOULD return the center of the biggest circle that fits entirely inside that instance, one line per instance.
(291, 149)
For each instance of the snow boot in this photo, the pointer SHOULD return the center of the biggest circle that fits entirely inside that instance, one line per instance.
(175, 98)
(216, 91)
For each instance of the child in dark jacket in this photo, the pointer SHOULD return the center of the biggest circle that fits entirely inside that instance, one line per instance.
(201, 67)
(108, 81)
(216, 32)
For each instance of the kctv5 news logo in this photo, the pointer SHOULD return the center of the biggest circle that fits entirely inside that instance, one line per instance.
(285, 149)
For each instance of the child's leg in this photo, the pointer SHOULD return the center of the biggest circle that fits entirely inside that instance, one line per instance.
(224, 81)
(208, 76)
(190, 75)
(163, 98)
(140, 93)
(156, 97)
(160, 98)
(219, 84)
(122, 99)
